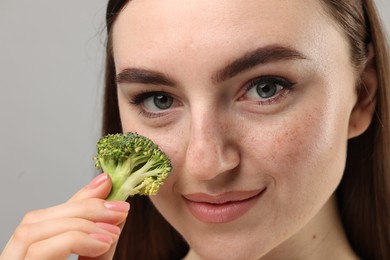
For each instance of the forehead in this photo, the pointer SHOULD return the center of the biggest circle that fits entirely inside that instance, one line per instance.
(153, 30)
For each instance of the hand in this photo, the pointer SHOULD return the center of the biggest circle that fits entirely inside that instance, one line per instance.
(86, 225)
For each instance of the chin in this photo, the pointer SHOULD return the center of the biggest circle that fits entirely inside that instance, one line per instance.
(232, 248)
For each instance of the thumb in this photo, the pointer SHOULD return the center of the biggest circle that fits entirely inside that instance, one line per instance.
(99, 188)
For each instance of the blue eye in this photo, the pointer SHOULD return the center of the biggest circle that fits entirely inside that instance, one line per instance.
(160, 101)
(267, 88)
(154, 101)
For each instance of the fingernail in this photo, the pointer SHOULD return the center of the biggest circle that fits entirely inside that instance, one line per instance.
(108, 227)
(102, 237)
(97, 181)
(120, 206)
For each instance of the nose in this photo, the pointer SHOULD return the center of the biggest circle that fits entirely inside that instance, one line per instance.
(212, 149)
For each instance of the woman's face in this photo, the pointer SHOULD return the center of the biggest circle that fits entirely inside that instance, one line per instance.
(251, 100)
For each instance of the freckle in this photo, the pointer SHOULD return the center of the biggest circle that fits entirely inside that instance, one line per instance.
(314, 236)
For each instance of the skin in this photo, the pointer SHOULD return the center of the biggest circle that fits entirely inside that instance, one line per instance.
(85, 225)
(225, 139)
(221, 136)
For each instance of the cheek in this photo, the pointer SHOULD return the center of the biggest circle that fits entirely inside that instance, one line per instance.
(305, 154)
(298, 141)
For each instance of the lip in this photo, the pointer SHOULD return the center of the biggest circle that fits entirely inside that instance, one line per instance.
(221, 208)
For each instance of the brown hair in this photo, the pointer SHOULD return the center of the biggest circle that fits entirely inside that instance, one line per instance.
(363, 194)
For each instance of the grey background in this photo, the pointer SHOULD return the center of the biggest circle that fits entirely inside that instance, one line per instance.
(51, 56)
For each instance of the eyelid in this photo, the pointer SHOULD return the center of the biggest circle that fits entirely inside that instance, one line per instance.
(141, 97)
(285, 83)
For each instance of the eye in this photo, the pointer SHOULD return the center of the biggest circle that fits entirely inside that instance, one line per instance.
(153, 103)
(158, 101)
(267, 88)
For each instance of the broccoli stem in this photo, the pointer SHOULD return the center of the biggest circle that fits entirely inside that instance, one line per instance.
(132, 183)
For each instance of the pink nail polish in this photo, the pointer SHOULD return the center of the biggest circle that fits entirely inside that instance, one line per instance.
(102, 237)
(97, 181)
(120, 206)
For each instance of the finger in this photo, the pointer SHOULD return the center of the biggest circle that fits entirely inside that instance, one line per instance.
(109, 254)
(99, 187)
(96, 210)
(12, 251)
(72, 242)
(28, 234)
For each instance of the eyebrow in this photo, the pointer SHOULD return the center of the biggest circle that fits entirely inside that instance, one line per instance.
(263, 55)
(143, 76)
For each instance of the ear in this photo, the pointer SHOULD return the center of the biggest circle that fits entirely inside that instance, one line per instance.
(364, 108)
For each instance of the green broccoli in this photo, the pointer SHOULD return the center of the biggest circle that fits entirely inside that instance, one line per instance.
(135, 164)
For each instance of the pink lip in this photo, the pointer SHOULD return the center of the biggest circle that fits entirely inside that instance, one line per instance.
(221, 208)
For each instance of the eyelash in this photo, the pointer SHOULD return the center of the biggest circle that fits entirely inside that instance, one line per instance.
(285, 86)
(141, 97)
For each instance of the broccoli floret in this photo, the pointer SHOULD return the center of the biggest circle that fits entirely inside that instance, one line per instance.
(135, 164)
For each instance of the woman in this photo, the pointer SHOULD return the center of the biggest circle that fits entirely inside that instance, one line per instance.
(276, 117)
